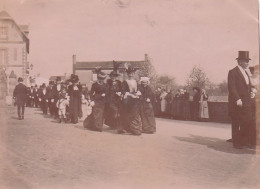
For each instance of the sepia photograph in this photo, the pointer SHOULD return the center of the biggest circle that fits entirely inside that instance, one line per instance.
(129, 94)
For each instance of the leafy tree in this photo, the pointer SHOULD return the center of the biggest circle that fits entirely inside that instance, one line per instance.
(223, 87)
(197, 78)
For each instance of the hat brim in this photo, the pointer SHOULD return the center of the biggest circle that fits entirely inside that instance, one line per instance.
(243, 58)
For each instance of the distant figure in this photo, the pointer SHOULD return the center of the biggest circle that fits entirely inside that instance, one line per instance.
(163, 102)
(195, 103)
(240, 107)
(204, 111)
(20, 96)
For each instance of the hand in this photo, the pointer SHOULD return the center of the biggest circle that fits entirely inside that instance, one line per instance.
(148, 100)
(239, 103)
(118, 93)
(103, 94)
(138, 93)
(252, 95)
(40, 99)
(92, 103)
(52, 100)
(47, 100)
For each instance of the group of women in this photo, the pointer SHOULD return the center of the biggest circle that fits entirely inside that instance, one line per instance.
(180, 106)
(124, 106)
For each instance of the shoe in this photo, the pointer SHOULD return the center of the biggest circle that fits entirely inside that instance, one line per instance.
(238, 147)
(22, 117)
(229, 140)
(59, 121)
(122, 131)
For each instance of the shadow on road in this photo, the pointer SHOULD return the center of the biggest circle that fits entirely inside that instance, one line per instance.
(215, 144)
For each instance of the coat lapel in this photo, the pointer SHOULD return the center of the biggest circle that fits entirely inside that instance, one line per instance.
(241, 75)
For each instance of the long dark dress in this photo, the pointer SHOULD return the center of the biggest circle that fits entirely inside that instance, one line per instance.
(146, 110)
(75, 103)
(186, 106)
(175, 112)
(131, 111)
(169, 98)
(195, 106)
(95, 120)
(112, 109)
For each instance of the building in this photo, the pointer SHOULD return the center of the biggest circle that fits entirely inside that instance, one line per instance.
(86, 70)
(14, 48)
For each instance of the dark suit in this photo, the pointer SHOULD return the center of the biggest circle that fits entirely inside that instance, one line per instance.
(240, 116)
(20, 95)
(43, 95)
(36, 97)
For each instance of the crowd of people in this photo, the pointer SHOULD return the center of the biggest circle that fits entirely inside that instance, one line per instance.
(124, 106)
(180, 106)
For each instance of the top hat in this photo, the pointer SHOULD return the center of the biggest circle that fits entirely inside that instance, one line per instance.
(20, 79)
(243, 55)
(58, 78)
(51, 82)
(115, 69)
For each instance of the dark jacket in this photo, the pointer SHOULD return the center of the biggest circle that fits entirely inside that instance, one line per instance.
(20, 93)
(238, 89)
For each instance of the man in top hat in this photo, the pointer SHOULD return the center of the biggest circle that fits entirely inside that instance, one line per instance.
(36, 96)
(50, 92)
(240, 94)
(19, 95)
(56, 92)
(113, 96)
(43, 98)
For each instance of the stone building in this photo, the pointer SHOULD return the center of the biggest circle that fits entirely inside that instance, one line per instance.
(14, 48)
(86, 70)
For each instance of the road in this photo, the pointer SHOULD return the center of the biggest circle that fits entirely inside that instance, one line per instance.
(40, 153)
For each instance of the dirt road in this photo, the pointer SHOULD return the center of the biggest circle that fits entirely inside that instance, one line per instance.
(40, 153)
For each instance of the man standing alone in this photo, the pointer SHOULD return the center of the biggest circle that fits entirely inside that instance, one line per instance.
(20, 97)
(240, 94)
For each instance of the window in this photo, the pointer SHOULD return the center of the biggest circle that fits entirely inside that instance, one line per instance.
(3, 32)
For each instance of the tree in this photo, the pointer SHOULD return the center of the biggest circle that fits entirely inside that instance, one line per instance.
(148, 70)
(223, 87)
(197, 78)
(166, 82)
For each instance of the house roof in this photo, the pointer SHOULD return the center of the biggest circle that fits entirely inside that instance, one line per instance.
(12, 75)
(106, 64)
(24, 28)
(5, 16)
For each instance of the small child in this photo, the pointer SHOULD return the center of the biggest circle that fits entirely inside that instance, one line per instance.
(62, 103)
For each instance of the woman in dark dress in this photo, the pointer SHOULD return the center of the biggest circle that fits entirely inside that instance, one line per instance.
(131, 104)
(97, 95)
(74, 93)
(112, 109)
(186, 105)
(196, 104)
(146, 109)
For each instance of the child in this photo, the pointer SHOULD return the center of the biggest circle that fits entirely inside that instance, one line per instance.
(62, 103)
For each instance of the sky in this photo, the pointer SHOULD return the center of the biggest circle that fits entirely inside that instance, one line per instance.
(176, 34)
